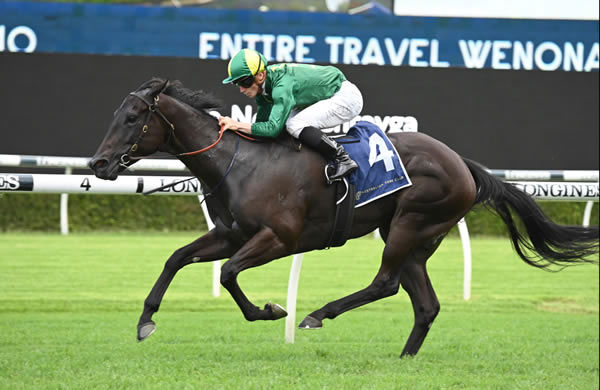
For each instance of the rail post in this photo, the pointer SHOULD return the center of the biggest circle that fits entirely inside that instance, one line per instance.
(64, 208)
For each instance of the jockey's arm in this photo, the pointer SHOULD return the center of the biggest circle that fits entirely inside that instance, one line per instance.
(271, 117)
(228, 123)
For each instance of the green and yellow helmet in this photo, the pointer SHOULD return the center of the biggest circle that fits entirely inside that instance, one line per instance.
(246, 62)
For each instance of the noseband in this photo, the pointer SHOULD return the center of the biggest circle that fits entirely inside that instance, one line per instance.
(152, 109)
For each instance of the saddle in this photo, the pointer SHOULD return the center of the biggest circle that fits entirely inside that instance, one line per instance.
(380, 172)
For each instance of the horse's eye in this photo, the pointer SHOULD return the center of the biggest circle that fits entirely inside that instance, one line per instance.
(131, 118)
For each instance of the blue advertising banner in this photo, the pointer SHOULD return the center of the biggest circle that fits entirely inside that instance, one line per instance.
(505, 44)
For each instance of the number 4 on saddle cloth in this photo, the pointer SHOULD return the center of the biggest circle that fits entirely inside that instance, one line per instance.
(380, 172)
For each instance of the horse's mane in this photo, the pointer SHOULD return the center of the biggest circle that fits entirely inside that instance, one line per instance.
(199, 100)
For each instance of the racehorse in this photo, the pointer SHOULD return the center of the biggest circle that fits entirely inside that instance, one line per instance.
(269, 200)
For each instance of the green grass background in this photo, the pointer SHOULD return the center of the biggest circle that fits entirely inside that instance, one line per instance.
(69, 308)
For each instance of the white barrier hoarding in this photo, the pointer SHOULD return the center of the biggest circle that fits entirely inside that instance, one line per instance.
(89, 184)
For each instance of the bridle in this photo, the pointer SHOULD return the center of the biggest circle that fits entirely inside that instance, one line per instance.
(126, 158)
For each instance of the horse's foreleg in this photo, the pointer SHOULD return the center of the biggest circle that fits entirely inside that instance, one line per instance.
(262, 248)
(207, 248)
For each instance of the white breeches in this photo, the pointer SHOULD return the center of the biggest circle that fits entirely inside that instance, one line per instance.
(342, 107)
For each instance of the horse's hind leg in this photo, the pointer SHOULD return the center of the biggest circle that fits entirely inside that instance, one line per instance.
(209, 247)
(415, 281)
(385, 284)
(400, 265)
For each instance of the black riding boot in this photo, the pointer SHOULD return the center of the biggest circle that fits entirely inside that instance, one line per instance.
(329, 149)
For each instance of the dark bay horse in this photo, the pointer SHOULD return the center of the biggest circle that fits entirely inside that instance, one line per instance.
(269, 201)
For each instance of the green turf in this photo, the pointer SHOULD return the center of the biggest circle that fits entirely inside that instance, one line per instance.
(69, 307)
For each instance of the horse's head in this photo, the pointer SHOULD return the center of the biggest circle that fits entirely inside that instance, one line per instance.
(137, 130)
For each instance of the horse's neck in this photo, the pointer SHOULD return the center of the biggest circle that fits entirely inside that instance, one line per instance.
(195, 131)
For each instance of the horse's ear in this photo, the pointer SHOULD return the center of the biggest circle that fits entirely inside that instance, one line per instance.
(160, 88)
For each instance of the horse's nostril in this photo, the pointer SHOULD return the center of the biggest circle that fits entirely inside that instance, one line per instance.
(99, 163)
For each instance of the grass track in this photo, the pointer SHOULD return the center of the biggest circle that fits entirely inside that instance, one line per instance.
(69, 306)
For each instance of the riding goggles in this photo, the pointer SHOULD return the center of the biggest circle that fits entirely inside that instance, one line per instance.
(245, 82)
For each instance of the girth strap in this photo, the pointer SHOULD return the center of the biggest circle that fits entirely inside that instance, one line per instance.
(344, 213)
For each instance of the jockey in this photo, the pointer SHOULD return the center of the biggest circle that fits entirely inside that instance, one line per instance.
(301, 98)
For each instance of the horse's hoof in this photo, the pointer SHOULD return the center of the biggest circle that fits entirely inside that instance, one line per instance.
(310, 323)
(145, 330)
(276, 310)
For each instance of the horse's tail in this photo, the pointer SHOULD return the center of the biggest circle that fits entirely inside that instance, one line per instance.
(539, 242)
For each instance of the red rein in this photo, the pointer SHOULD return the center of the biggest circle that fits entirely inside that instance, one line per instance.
(195, 152)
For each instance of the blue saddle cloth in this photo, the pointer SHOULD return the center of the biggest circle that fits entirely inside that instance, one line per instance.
(380, 170)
